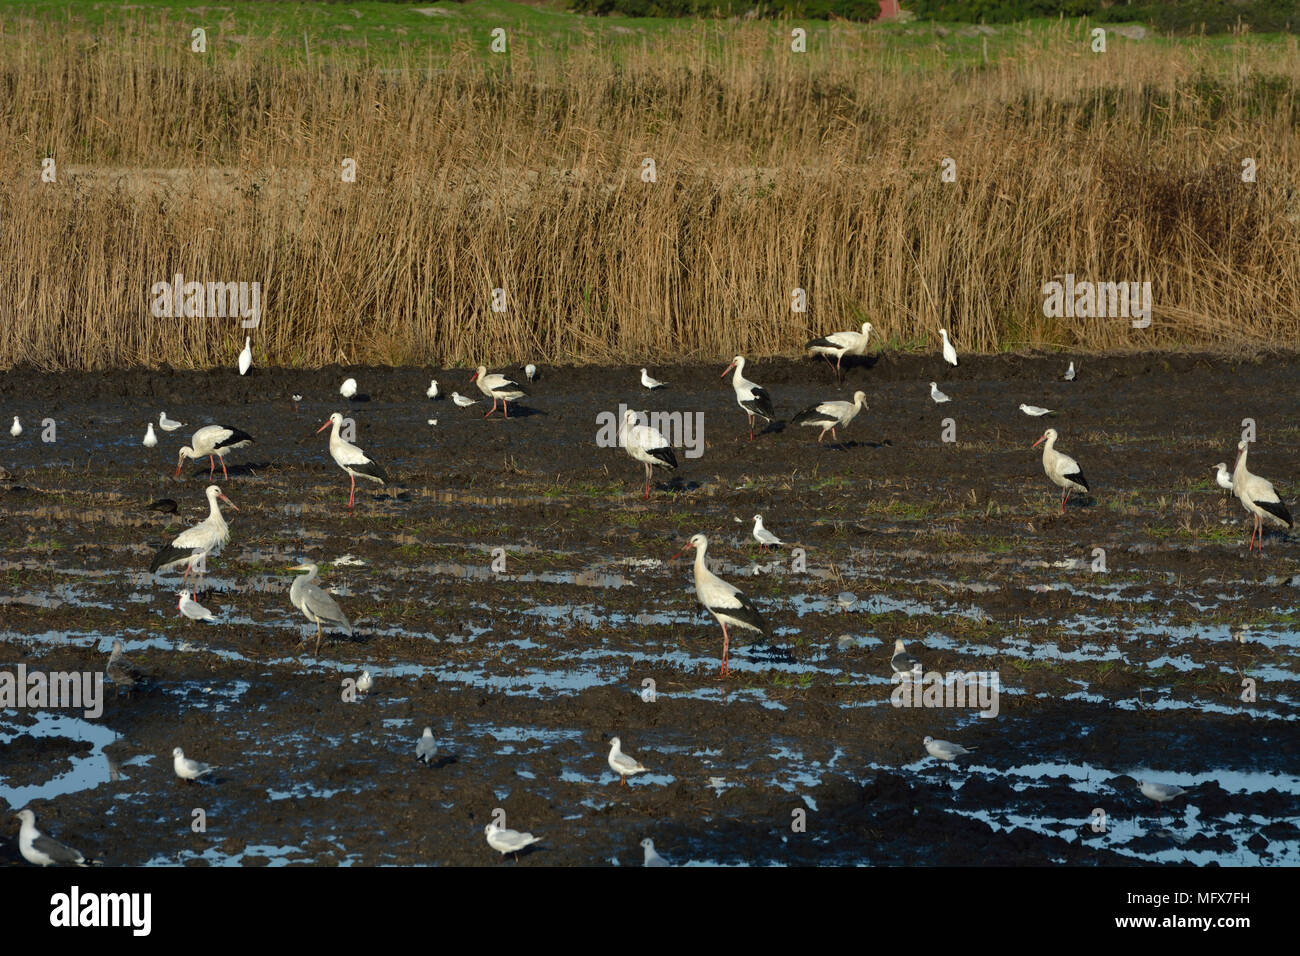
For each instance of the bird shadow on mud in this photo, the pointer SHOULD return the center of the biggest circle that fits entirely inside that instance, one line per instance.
(678, 484)
(519, 411)
(234, 471)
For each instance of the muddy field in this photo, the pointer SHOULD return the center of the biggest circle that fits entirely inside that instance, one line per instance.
(1137, 671)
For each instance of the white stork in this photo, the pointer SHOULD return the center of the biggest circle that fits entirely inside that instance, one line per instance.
(1061, 468)
(206, 537)
(1258, 497)
(831, 415)
(646, 445)
(213, 440)
(841, 344)
(751, 397)
(724, 601)
(498, 388)
(351, 458)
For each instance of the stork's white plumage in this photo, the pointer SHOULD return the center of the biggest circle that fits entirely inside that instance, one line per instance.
(1257, 496)
(246, 356)
(210, 441)
(831, 415)
(841, 344)
(651, 383)
(1061, 468)
(646, 445)
(351, 458)
(498, 388)
(724, 601)
(751, 397)
(763, 536)
(205, 538)
(949, 353)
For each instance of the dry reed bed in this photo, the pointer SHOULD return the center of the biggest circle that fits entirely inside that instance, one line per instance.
(774, 172)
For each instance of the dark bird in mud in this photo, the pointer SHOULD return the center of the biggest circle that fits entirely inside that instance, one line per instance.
(351, 458)
(1061, 468)
(166, 506)
(498, 388)
(1258, 497)
(124, 674)
(646, 445)
(316, 605)
(213, 441)
(831, 415)
(42, 850)
(724, 601)
(840, 344)
(751, 397)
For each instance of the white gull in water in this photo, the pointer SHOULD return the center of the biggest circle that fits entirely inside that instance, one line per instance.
(1160, 792)
(944, 749)
(652, 857)
(622, 764)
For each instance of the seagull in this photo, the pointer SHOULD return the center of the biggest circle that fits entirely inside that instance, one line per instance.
(316, 604)
(213, 440)
(365, 682)
(1224, 477)
(37, 848)
(831, 415)
(724, 601)
(166, 424)
(425, 748)
(1061, 468)
(903, 662)
(121, 671)
(949, 353)
(348, 388)
(1160, 792)
(16, 428)
(498, 388)
(646, 445)
(944, 749)
(1034, 411)
(651, 383)
(1069, 373)
(840, 344)
(652, 858)
(622, 764)
(432, 390)
(938, 396)
(530, 372)
(186, 768)
(462, 401)
(193, 609)
(150, 439)
(846, 600)
(351, 458)
(206, 537)
(763, 536)
(508, 841)
(1257, 496)
(749, 396)
(246, 356)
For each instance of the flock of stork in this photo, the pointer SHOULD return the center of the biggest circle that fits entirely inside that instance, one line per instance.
(730, 607)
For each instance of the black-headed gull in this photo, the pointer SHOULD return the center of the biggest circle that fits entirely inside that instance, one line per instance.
(1069, 373)
(1160, 792)
(1061, 468)
(508, 841)
(763, 536)
(193, 609)
(623, 764)
(150, 439)
(1223, 476)
(1034, 411)
(945, 749)
(530, 372)
(652, 857)
(462, 401)
(651, 383)
(348, 388)
(426, 748)
(42, 850)
(432, 390)
(365, 682)
(1257, 496)
(186, 768)
(938, 396)
(167, 424)
(16, 428)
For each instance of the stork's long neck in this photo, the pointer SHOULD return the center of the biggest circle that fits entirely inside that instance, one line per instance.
(1241, 464)
(1049, 448)
(701, 568)
(214, 511)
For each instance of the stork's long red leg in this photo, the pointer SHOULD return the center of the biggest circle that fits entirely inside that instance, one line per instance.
(224, 476)
(353, 493)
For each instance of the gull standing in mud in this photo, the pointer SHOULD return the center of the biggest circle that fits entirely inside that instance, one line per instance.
(508, 841)
(315, 603)
(1160, 792)
(724, 601)
(1257, 496)
(124, 675)
(498, 388)
(351, 458)
(246, 356)
(944, 749)
(831, 415)
(937, 396)
(652, 857)
(949, 353)
(186, 768)
(462, 401)
(42, 850)
(1034, 411)
(16, 428)
(763, 536)
(150, 439)
(192, 609)
(530, 372)
(196, 543)
(432, 390)
(210, 441)
(167, 424)
(623, 764)
(646, 445)
(751, 397)
(1061, 468)
(1069, 373)
(1223, 477)
(425, 748)
(651, 383)
(349, 388)
(903, 662)
(840, 344)
(365, 682)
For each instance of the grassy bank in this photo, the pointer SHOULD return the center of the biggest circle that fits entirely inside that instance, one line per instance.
(523, 171)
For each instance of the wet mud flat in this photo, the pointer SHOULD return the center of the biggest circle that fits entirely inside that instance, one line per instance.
(513, 591)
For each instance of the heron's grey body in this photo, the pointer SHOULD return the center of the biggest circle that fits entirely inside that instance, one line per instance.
(316, 605)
